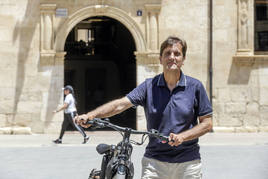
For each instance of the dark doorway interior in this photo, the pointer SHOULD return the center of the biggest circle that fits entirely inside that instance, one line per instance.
(101, 66)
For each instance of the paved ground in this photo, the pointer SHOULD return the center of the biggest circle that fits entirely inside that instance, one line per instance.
(74, 139)
(225, 155)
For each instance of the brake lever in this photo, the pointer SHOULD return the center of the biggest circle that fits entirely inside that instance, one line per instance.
(98, 123)
(155, 133)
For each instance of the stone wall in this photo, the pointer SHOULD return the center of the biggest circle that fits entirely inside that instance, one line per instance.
(239, 88)
(32, 40)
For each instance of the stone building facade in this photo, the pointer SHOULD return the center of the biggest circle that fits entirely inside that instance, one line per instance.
(223, 52)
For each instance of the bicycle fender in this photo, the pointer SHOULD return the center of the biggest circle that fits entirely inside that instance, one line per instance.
(111, 168)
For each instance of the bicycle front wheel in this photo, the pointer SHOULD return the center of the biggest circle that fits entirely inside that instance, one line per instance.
(118, 176)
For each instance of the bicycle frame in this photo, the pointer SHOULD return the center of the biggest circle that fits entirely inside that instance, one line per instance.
(116, 162)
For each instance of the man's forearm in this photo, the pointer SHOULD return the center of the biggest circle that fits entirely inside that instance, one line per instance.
(199, 130)
(111, 108)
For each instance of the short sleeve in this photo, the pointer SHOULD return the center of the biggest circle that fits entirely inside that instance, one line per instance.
(203, 104)
(138, 95)
(68, 99)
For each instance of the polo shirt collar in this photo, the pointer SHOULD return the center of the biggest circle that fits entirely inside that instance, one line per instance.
(181, 82)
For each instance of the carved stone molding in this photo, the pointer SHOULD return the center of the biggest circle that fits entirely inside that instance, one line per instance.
(244, 25)
(250, 60)
(147, 58)
(152, 26)
(100, 10)
(149, 61)
(47, 15)
(244, 60)
(59, 58)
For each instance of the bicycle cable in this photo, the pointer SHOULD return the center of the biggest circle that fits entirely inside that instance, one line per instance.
(143, 139)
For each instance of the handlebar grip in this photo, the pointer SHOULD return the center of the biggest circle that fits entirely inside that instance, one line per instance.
(164, 138)
(98, 123)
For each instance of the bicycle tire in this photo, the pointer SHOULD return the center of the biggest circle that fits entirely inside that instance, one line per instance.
(118, 176)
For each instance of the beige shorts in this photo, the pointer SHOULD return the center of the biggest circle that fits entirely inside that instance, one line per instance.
(155, 169)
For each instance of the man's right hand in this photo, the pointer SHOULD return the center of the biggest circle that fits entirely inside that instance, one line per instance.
(82, 120)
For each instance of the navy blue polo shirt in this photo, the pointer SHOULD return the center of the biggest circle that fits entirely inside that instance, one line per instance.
(172, 112)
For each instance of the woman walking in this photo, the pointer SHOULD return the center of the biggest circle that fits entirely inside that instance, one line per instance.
(70, 112)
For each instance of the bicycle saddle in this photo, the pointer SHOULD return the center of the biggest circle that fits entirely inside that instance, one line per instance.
(103, 148)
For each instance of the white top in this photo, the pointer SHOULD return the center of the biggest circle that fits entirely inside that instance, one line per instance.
(69, 99)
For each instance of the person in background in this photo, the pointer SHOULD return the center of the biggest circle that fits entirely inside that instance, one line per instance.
(70, 112)
(177, 106)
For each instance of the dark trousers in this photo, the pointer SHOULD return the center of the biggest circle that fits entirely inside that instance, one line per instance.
(68, 119)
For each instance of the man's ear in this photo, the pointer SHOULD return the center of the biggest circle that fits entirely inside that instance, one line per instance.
(160, 60)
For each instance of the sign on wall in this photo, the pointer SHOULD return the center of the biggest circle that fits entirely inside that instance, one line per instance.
(61, 12)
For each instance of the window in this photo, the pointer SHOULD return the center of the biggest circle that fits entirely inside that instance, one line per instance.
(261, 25)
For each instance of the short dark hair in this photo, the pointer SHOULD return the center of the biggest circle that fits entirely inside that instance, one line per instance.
(171, 40)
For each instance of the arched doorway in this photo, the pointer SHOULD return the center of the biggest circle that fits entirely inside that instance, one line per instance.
(100, 64)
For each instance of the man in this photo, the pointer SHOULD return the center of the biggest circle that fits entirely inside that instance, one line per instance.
(174, 104)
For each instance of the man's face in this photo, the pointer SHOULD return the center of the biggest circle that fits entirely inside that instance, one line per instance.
(172, 58)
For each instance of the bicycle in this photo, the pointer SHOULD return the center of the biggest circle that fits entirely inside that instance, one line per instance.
(116, 161)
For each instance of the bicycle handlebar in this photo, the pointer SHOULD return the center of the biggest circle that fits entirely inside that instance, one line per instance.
(101, 123)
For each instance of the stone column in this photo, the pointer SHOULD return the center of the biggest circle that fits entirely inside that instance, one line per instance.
(54, 95)
(47, 27)
(152, 28)
(147, 66)
(148, 62)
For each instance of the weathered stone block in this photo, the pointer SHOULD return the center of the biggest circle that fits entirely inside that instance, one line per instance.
(235, 108)
(6, 106)
(223, 129)
(29, 106)
(223, 95)
(246, 129)
(218, 107)
(9, 80)
(264, 116)
(37, 83)
(240, 94)
(52, 128)
(7, 93)
(21, 130)
(264, 95)
(5, 130)
(252, 116)
(23, 120)
(37, 126)
(3, 120)
(263, 129)
(255, 93)
(31, 96)
(230, 121)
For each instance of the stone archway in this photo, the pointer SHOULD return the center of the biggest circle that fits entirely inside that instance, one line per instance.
(147, 61)
(100, 10)
(93, 11)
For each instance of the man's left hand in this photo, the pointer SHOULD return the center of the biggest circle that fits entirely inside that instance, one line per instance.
(175, 139)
